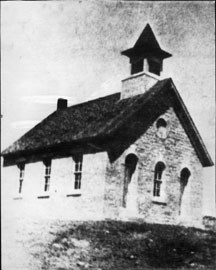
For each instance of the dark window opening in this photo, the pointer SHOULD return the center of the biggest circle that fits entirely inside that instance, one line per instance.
(47, 183)
(20, 185)
(21, 176)
(130, 167)
(137, 67)
(47, 175)
(154, 67)
(159, 168)
(161, 123)
(78, 172)
(77, 184)
(185, 174)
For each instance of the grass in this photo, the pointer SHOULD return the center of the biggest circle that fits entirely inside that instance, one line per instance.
(130, 245)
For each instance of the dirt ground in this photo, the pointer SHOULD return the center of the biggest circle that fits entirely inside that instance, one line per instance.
(24, 241)
(29, 244)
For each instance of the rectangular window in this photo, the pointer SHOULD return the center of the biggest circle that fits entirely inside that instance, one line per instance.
(47, 175)
(155, 66)
(137, 67)
(78, 172)
(21, 177)
(159, 168)
(157, 187)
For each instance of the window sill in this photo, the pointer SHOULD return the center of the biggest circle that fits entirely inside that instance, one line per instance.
(159, 200)
(17, 198)
(74, 195)
(43, 197)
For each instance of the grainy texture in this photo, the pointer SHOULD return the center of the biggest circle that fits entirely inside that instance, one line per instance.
(124, 124)
(137, 84)
(64, 201)
(55, 245)
(101, 118)
(176, 152)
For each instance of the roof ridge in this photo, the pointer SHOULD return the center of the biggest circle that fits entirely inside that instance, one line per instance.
(109, 114)
(93, 100)
(164, 81)
(139, 96)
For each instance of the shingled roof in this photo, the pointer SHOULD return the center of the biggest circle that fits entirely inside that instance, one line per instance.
(100, 118)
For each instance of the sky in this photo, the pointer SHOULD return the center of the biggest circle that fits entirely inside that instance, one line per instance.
(71, 49)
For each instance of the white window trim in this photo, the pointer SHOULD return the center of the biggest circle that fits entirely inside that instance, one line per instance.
(46, 194)
(78, 162)
(19, 195)
(76, 191)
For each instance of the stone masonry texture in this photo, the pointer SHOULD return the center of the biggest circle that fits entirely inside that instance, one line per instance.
(176, 152)
(103, 181)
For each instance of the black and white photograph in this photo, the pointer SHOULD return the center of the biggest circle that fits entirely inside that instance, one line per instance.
(108, 135)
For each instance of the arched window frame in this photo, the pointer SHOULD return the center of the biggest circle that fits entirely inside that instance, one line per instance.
(162, 128)
(131, 161)
(185, 174)
(158, 192)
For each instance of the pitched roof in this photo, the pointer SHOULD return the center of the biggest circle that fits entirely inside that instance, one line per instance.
(102, 117)
(73, 123)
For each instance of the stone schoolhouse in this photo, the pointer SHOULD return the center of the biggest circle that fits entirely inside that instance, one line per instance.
(133, 154)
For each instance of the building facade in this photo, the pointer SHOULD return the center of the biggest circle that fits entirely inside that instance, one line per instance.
(131, 155)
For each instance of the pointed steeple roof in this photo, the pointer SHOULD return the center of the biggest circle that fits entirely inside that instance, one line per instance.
(147, 39)
(146, 44)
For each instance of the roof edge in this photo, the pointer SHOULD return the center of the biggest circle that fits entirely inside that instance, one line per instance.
(208, 161)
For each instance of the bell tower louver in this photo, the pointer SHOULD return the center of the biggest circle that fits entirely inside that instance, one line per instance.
(146, 59)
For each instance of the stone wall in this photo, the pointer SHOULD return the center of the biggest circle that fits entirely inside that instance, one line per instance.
(209, 222)
(176, 152)
(137, 84)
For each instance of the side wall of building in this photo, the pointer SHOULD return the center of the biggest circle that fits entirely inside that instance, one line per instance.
(63, 201)
(176, 152)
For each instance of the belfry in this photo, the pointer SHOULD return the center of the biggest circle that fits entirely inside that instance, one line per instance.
(146, 54)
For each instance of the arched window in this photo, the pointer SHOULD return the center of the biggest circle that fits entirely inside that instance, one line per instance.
(130, 162)
(185, 174)
(130, 166)
(159, 168)
(161, 123)
(161, 126)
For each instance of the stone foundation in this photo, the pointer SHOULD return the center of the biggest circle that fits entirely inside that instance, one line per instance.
(209, 222)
